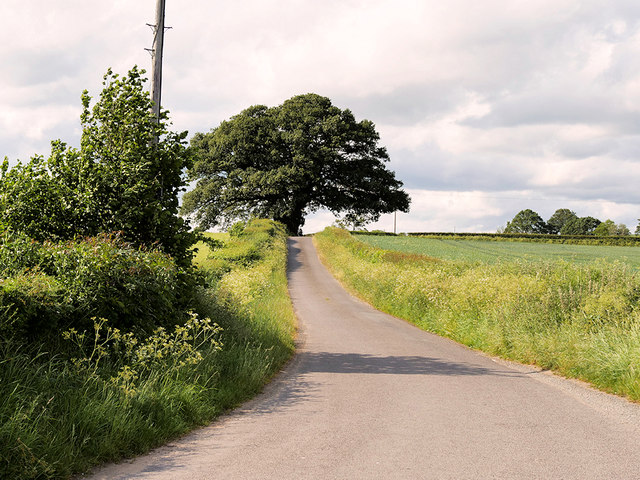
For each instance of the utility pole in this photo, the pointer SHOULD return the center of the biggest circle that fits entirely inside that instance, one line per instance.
(156, 55)
(156, 74)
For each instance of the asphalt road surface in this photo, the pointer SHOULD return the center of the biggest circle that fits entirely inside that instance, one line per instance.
(369, 396)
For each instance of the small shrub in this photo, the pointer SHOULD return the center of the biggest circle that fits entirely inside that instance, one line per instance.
(136, 289)
(29, 303)
(237, 229)
(19, 253)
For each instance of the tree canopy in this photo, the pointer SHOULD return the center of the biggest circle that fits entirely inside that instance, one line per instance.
(559, 218)
(580, 226)
(608, 228)
(119, 180)
(526, 221)
(286, 161)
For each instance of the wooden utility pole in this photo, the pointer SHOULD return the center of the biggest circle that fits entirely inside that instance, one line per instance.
(156, 74)
(156, 54)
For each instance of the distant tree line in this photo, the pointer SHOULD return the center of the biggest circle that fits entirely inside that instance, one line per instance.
(564, 222)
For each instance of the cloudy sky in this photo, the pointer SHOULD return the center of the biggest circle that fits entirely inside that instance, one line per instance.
(486, 108)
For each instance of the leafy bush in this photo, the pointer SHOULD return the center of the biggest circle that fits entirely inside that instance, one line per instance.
(119, 180)
(30, 303)
(237, 229)
(52, 286)
(106, 277)
(19, 253)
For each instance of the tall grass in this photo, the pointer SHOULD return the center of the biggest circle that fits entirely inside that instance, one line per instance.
(61, 416)
(249, 299)
(580, 320)
(106, 394)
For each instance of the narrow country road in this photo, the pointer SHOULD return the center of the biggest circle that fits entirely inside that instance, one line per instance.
(369, 396)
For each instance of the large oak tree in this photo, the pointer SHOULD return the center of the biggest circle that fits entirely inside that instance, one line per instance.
(286, 161)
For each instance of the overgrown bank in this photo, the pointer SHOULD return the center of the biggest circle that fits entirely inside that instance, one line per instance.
(582, 321)
(84, 392)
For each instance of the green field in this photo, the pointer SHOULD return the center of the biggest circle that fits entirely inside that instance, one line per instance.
(501, 251)
(203, 252)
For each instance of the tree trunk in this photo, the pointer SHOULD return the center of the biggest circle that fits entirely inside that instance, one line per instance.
(293, 222)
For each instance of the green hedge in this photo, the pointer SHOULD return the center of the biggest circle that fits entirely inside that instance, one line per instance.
(532, 237)
(379, 233)
(45, 287)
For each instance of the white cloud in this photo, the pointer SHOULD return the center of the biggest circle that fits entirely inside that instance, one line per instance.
(478, 102)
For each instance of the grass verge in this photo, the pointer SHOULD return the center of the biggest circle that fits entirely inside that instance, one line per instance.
(582, 321)
(108, 395)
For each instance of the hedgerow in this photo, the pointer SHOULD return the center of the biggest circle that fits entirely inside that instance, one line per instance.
(92, 392)
(532, 237)
(49, 286)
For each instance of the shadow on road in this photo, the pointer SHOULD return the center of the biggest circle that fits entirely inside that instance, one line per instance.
(293, 253)
(392, 365)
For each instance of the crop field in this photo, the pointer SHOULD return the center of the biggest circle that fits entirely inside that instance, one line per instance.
(500, 251)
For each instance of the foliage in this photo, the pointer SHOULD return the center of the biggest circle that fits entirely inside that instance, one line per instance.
(355, 222)
(119, 179)
(580, 226)
(606, 228)
(131, 359)
(526, 221)
(31, 201)
(237, 229)
(622, 230)
(372, 232)
(609, 228)
(203, 249)
(58, 416)
(108, 394)
(531, 238)
(247, 246)
(580, 320)
(51, 286)
(31, 304)
(286, 161)
(558, 219)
